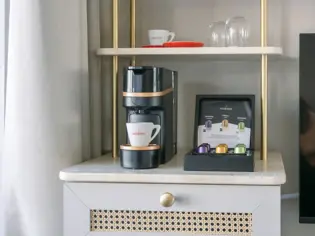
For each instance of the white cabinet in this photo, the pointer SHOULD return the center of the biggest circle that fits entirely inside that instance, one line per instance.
(122, 209)
(101, 198)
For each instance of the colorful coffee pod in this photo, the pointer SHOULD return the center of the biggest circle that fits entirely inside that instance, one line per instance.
(203, 148)
(221, 148)
(240, 149)
(241, 126)
(225, 123)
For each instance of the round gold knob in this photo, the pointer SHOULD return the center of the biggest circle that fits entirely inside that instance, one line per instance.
(167, 199)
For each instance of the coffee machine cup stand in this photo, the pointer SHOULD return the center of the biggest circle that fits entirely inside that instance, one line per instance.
(150, 95)
(139, 157)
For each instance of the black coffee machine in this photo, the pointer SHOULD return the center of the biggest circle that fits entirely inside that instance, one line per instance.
(150, 95)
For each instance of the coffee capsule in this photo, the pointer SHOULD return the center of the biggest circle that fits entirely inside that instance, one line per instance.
(240, 149)
(221, 148)
(225, 123)
(203, 148)
(241, 126)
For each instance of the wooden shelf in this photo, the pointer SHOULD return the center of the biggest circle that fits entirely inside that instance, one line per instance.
(214, 51)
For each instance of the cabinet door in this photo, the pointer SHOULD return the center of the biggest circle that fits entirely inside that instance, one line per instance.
(135, 209)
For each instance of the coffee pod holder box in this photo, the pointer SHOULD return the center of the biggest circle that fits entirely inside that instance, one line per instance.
(139, 157)
(223, 119)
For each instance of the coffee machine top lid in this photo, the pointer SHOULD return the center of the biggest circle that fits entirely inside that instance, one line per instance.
(147, 79)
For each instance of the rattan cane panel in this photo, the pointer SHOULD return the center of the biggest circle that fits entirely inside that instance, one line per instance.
(218, 223)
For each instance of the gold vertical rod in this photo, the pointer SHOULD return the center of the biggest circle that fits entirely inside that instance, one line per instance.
(264, 80)
(115, 81)
(133, 28)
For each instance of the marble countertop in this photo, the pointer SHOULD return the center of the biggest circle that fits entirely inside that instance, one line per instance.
(106, 169)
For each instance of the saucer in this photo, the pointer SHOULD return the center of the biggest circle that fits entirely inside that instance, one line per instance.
(146, 148)
(183, 44)
(152, 46)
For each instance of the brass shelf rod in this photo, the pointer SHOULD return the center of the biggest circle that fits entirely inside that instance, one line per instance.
(133, 28)
(115, 81)
(264, 81)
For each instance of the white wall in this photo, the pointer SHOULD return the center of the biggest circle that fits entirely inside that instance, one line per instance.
(189, 19)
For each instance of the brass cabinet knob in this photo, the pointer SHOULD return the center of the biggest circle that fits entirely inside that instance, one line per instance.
(167, 199)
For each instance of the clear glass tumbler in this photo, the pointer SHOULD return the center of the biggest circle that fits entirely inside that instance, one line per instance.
(217, 34)
(237, 32)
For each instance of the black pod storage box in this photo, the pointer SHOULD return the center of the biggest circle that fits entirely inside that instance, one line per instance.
(223, 120)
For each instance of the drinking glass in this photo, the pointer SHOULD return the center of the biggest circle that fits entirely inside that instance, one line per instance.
(237, 32)
(217, 34)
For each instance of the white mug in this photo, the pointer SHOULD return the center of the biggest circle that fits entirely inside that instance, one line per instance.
(140, 133)
(159, 37)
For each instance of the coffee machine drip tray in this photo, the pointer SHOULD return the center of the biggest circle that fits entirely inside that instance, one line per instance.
(139, 157)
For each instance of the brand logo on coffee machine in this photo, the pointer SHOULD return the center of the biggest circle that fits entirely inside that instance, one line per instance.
(226, 108)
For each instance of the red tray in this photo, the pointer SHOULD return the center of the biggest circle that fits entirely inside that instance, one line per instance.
(183, 44)
(153, 46)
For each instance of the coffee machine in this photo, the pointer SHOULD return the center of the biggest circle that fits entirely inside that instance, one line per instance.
(150, 95)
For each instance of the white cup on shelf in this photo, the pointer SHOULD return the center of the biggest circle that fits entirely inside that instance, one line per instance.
(159, 36)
